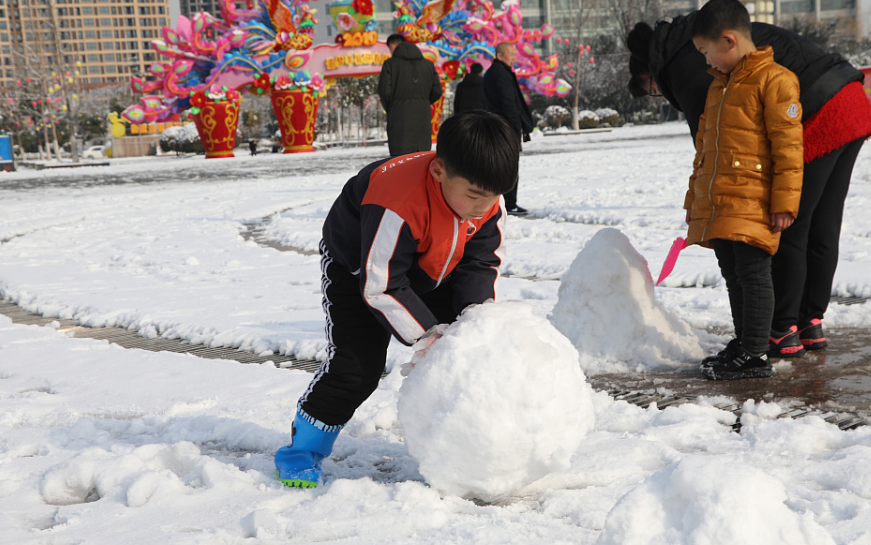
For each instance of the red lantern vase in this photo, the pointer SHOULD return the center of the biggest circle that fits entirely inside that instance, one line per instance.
(435, 111)
(296, 112)
(217, 123)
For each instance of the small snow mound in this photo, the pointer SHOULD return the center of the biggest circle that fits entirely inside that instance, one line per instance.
(607, 308)
(709, 500)
(497, 403)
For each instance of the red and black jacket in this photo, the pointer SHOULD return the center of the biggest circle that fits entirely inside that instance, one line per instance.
(392, 228)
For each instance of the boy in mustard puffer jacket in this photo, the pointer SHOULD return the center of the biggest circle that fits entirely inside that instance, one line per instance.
(746, 180)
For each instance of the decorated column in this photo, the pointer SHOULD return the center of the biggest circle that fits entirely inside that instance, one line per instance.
(216, 114)
(295, 102)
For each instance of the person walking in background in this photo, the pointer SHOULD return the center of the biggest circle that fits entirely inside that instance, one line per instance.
(252, 147)
(407, 86)
(836, 116)
(502, 95)
(746, 182)
(469, 94)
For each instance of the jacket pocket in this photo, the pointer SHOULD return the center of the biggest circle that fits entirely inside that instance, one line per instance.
(747, 165)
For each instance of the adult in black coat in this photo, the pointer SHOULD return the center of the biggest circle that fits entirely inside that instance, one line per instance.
(407, 86)
(502, 95)
(469, 94)
(837, 118)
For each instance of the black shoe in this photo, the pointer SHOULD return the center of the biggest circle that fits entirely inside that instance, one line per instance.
(785, 344)
(812, 336)
(732, 349)
(741, 365)
(517, 211)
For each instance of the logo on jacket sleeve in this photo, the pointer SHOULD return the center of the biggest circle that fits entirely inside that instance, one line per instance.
(792, 111)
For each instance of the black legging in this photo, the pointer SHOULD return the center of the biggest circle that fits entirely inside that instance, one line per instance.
(804, 267)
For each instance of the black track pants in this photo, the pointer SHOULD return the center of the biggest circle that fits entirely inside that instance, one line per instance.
(804, 266)
(356, 344)
(747, 270)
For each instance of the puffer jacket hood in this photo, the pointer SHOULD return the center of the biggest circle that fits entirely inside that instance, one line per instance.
(749, 161)
(407, 51)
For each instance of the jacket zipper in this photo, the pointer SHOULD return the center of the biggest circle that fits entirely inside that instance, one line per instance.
(453, 249)
(717, 150)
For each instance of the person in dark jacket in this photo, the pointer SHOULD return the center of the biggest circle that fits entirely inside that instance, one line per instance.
(407, 246)
(407, 86)
(836, 116)
(502, 95)
(469, 94)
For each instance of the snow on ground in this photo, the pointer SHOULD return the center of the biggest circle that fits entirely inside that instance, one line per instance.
(101, 445)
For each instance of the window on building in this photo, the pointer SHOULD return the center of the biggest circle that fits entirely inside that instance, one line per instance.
(90, 34)
(148, 57)
(129, 10)
(3, 25)
(93, 57)
(105, 21)
(110, 69)
(131, 33)
(105, 33)
(797, 6)
(130, 22)
(143, 10)
(105, 10)
(91, 46)
(109, 45)
(93, 69)
(88, 22)
(146, 45)
(87, 11)
(827, 5)
(109, 57)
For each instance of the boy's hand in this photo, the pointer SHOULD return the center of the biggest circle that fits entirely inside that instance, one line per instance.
(780, 221)
(688, 216)
(422, 346)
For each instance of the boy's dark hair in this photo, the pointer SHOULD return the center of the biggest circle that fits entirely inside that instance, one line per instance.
(394, 39)
(476, 68)
(482, 148)
(718, 16)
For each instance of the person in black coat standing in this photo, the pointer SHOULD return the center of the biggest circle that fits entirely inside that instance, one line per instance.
(836, 117)
(470, 92)
(502, 95)
(407, 86)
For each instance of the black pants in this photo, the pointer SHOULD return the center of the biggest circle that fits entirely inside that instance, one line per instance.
(356, 344)
(747, 270)
(511, 197)
(804, 266)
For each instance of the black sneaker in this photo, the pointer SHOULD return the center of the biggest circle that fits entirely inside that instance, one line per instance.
(785, 344)
(732, 349)
(812, 336)
(517, 211)
(741, 365)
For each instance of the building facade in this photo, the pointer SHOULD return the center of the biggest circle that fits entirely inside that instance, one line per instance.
(111, 39)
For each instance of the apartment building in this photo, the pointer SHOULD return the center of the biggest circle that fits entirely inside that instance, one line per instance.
(110, 38)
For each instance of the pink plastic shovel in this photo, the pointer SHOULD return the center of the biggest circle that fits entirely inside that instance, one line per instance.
(679, 244)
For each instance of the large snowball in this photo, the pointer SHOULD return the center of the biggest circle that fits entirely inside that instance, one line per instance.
(606, 307)
(701, 499)
(497, 403)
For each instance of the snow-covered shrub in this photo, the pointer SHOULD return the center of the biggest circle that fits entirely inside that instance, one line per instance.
(587, 119)
(183, 139)
(555, 115)
(609, 116)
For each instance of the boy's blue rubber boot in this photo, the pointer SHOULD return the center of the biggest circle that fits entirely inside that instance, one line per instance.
(299, 463)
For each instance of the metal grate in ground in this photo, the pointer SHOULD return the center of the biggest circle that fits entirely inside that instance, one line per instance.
(844, 420)
(129, 339)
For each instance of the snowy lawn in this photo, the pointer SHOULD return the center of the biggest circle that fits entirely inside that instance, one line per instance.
(104, 445)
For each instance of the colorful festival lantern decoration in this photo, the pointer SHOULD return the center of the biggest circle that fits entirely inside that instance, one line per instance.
(215, 112)
(295, 102)
(249, 47)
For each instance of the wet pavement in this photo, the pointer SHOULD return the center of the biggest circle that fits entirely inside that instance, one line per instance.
(837, 378)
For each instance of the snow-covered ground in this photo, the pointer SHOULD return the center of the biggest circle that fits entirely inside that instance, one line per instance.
(99, 444)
